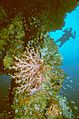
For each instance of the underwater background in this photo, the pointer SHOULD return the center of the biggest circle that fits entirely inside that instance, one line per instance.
(67, 39)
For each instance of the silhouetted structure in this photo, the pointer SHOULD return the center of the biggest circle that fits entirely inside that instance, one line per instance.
(67, 34)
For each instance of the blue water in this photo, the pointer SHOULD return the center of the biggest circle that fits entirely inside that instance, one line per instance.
(70, 53)
(5, 83)
(70, 49)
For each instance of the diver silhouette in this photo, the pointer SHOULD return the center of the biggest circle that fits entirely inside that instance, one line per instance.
(67, 34)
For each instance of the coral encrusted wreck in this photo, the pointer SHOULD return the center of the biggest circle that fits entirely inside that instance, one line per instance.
(38, 79)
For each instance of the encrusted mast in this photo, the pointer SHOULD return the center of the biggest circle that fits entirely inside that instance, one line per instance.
(38, 80)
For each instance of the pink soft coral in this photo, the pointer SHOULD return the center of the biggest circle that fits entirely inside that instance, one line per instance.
(29, 70)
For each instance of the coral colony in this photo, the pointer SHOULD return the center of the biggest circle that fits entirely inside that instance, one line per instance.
(29, 71)
(38, 81)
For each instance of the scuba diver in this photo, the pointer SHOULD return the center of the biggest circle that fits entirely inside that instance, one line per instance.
(67, 34)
